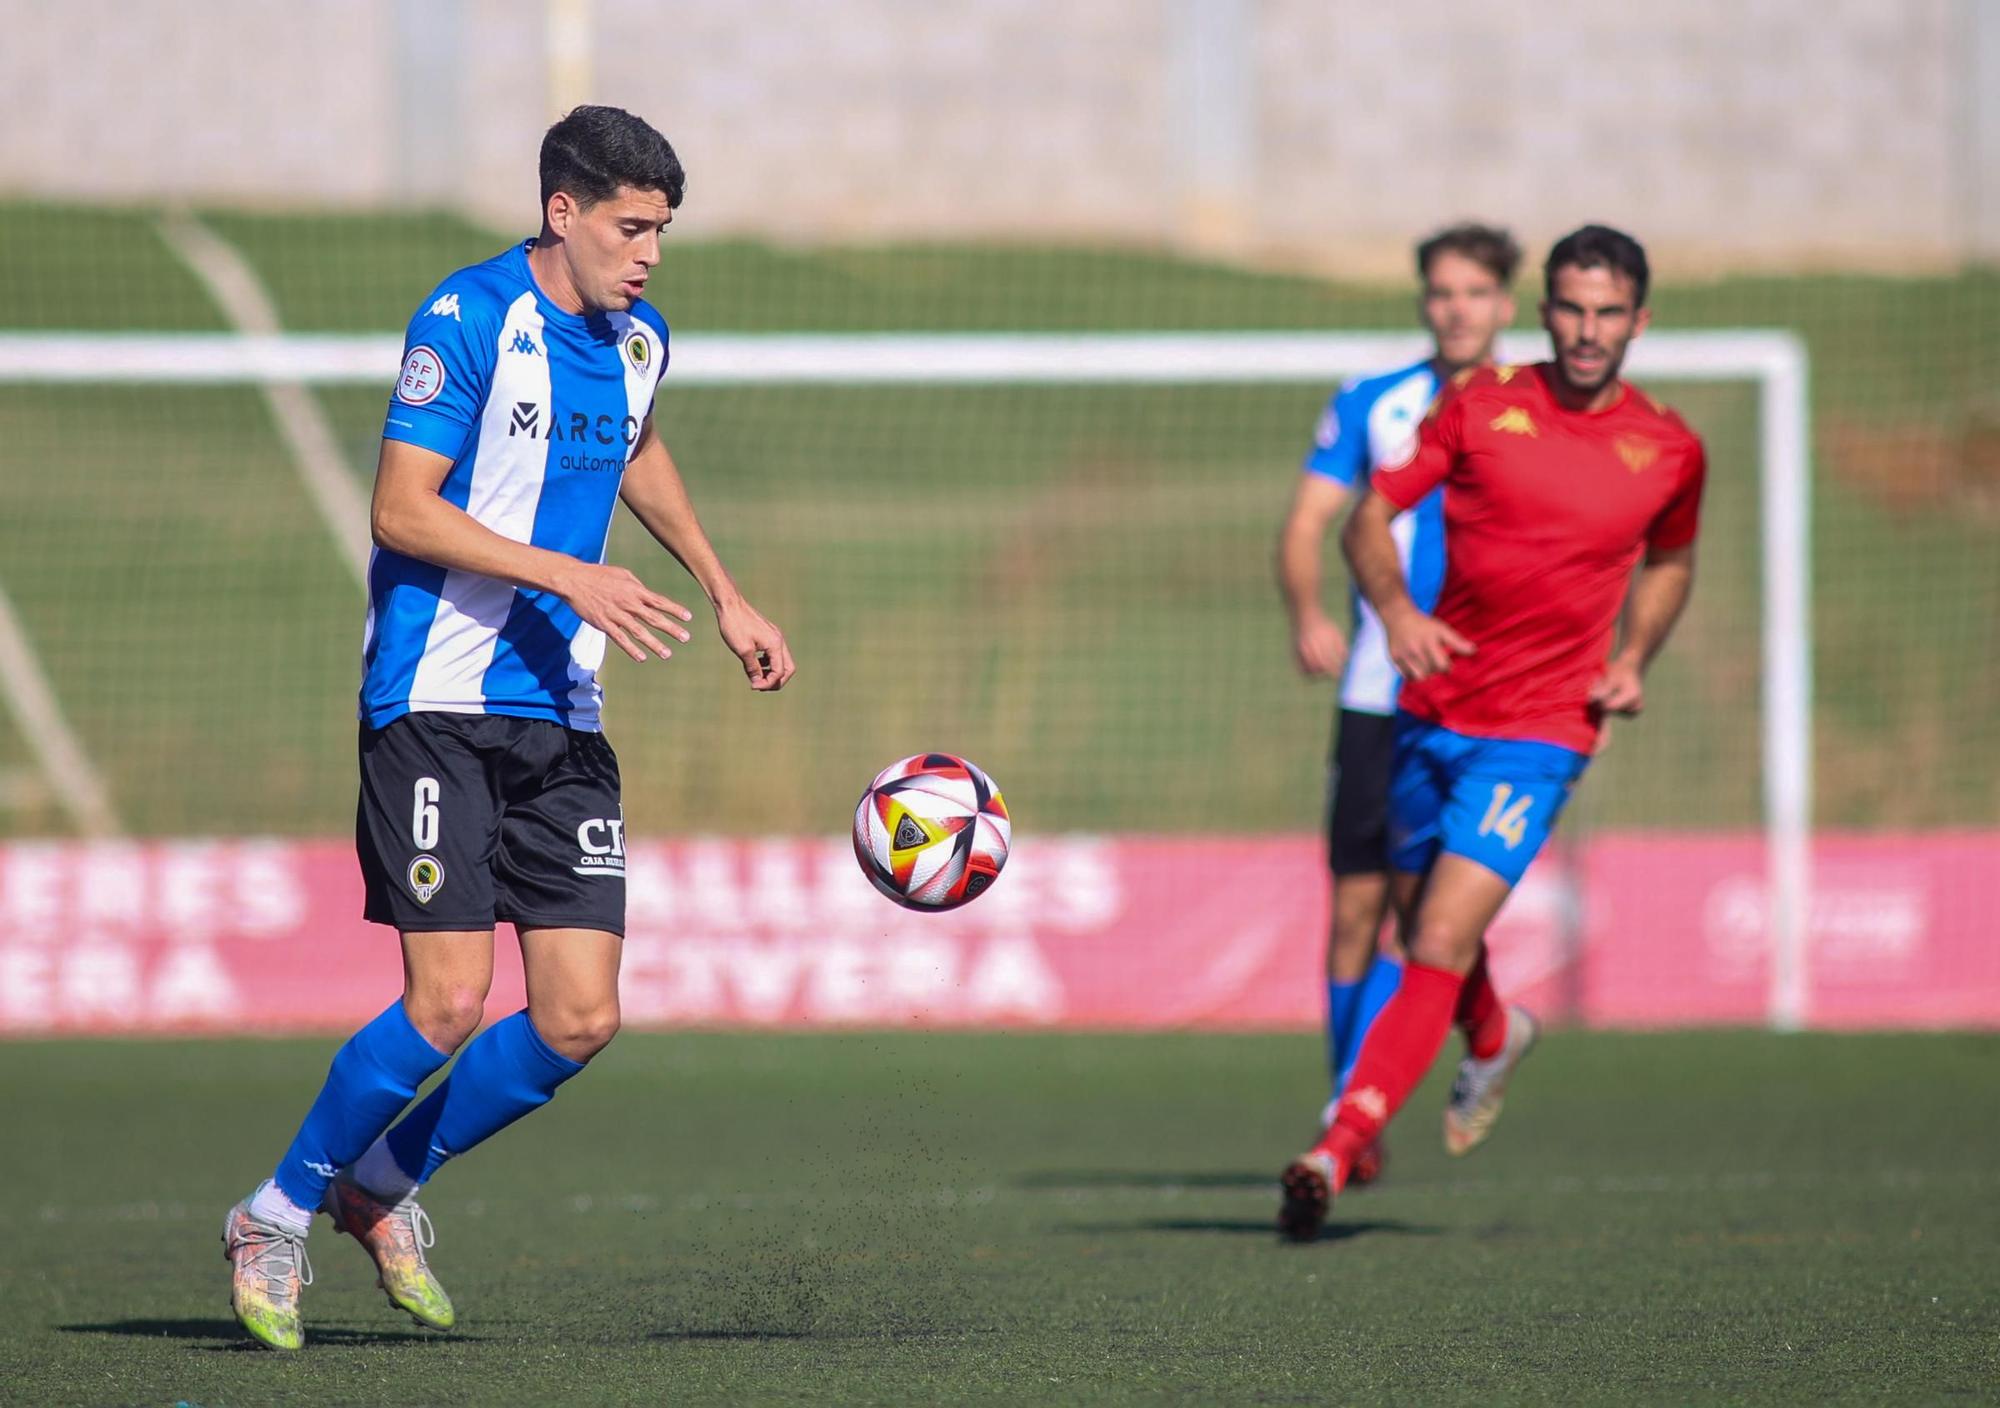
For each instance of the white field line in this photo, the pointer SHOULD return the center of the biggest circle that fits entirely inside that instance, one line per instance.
(79, 790)
(301, 421)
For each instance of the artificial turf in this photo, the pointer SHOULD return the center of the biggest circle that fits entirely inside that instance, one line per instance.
(731, 1218)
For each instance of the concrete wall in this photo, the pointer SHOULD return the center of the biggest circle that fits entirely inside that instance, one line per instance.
(1857, 132)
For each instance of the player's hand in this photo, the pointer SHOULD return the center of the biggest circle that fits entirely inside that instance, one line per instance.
(1421, 646)
(1319, 647)
(767, 660)
(624, 608)
(1620, 689)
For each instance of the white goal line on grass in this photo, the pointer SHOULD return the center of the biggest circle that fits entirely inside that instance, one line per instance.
(1773, 359)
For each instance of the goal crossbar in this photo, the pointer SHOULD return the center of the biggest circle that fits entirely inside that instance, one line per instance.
(1775, 361)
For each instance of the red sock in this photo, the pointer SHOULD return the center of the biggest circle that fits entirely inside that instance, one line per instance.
(1399, 1050)
(1481, 1015)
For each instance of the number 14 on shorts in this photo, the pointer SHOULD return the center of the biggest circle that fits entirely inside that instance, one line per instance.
(1507, 815)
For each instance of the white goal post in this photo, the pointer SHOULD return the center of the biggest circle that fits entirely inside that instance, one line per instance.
(1774, 360)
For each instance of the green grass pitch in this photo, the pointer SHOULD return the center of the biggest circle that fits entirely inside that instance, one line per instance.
(1713, 1217)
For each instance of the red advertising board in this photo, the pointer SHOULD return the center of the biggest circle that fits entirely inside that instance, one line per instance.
(1131, 932)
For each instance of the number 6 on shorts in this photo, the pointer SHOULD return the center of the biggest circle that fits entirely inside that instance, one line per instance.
(424, 814)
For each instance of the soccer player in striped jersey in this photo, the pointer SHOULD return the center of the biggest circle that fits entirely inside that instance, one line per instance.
(1560, 479)
(1466, 273)
(522, 416)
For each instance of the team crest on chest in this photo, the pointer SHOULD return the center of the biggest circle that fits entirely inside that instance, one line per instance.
(638, 351)
(1638, 455)
(1515, 420)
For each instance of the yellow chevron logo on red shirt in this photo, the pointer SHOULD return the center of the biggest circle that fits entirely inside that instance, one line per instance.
(1637, 454)
(1515, 420)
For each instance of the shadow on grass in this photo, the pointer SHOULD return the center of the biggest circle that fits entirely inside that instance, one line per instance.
(233, 1337)
(1256, 1226)
(1058, 1179)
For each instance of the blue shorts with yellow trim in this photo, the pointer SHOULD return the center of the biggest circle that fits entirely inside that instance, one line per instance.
(1491, 800)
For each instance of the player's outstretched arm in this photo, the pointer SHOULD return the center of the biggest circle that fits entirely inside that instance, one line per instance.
(1419, 645)
(653, 490)
(1657, 599)
(1318, 645)
(408, 516)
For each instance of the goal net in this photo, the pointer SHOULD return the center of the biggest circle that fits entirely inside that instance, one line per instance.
(1048, 551)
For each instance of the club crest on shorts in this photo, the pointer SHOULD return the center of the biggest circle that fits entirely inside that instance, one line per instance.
(426, 878)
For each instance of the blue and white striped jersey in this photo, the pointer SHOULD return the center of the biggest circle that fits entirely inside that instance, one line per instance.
(539, 411)
(1369, 421)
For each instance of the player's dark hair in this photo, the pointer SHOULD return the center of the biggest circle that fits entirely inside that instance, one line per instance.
(1489, 246)
(595, 150)
(1600, 247)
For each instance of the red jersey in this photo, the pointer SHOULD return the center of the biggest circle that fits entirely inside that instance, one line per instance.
(1546, 512)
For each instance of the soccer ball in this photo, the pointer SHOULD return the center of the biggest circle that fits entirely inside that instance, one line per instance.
(931, 832)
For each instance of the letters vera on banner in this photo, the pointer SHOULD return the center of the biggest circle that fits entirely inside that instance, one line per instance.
(1128, 932)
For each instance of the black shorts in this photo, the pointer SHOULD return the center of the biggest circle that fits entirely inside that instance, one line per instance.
(469, 819)
(1357, 813)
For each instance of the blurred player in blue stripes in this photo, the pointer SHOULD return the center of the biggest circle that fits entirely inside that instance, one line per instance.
(1467, 272)
(489, 794)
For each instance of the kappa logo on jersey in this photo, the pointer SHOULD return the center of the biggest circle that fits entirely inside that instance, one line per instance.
(639, 350)
(1504, 372)
(426, 878)
(446, 307)
(602, 843)
(422, 379)
(525, 345)
(1637, 454)
(1515, 420)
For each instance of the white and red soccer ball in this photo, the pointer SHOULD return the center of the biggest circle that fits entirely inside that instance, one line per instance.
(931, 832)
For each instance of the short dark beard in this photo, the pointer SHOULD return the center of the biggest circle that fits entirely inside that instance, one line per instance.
(1613, 366)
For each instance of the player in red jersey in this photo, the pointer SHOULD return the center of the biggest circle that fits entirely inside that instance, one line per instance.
(1559, 479)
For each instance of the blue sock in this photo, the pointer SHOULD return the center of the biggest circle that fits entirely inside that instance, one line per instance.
(373, 1077)
(1341, 999)
(1385, 975)
(507, 1071)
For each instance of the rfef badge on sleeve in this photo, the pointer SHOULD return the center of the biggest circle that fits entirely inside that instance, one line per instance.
(422, 379)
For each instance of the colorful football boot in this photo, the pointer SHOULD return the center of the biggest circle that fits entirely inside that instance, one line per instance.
(269, 1269)
(396, 1235)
